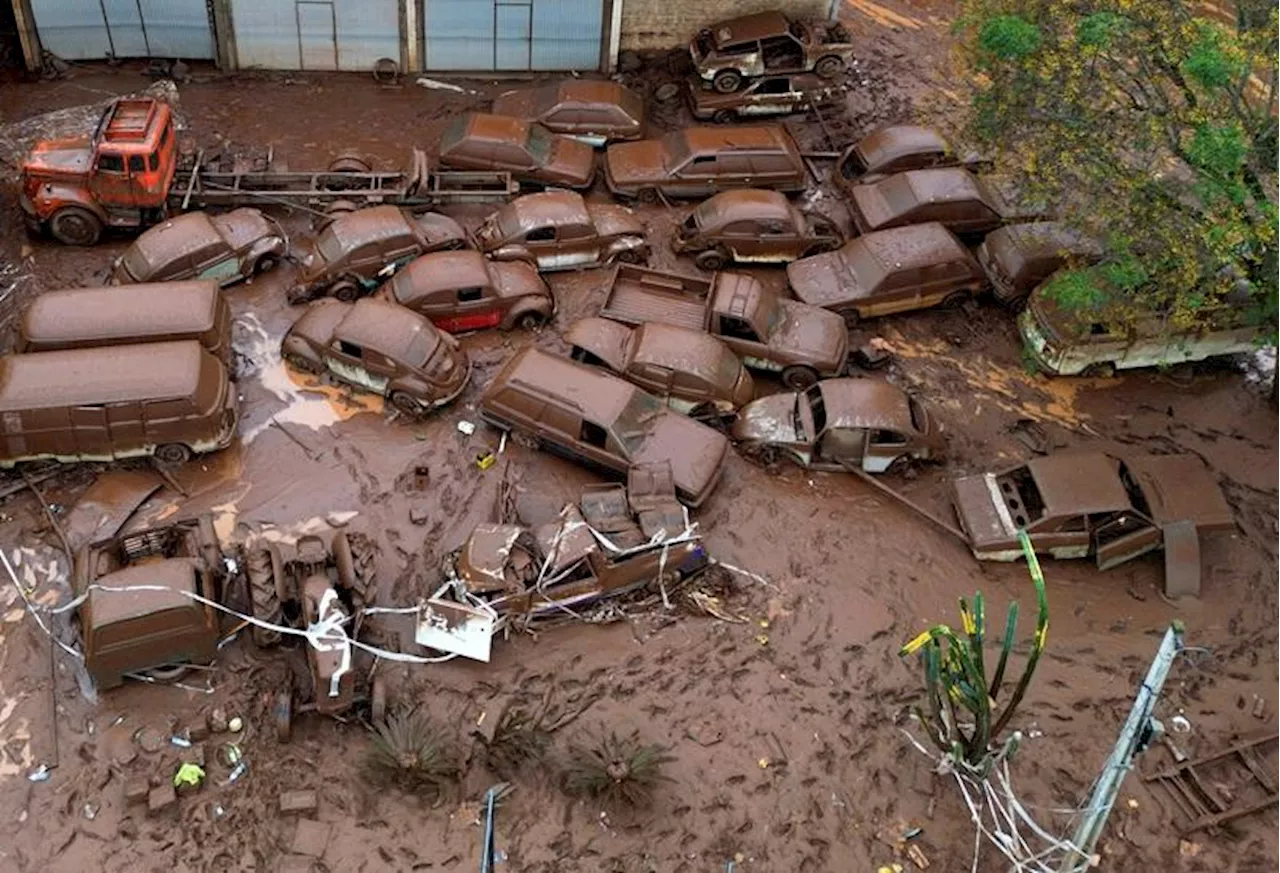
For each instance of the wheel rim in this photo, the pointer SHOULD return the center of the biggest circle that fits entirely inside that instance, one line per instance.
(76, 227)
(265, 264)
(799, 379)
(649, 195)
(710, 261)
(173, 453)
(345, 292)
(829, 67)
(727, 83)
(724, 116)
(529, 321)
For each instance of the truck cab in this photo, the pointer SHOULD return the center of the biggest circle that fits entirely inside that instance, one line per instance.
(117, 177)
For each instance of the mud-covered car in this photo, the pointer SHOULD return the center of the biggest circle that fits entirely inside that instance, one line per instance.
(558, 230)
(382, 348)
(897, 148)
(691, 370)
(700, 161)
(769, 95)
(752, 226)
(227, 248)
(357, 251)
(528, 151)
(1018, 257)
(837, 424)
(898, 270)
(601, 421)
(1082, 504)
(966, 204)
(464, 290)
(728, 52)
(589, 110)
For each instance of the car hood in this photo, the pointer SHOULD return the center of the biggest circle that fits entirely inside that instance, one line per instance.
(822, 280)
(439, 230)
(816, 334)
(631, 163)
(695, 451)
(767, 420)
(572, 162)
(613, 220)
(517, 279)
(605, 339)
(318, 322)
(71, 156)
(241, 228)
(979, 514)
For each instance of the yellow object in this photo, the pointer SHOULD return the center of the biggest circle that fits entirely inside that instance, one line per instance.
(188, 774)
(486, 460)
(764, 763)
(916, 644)
(887, 868)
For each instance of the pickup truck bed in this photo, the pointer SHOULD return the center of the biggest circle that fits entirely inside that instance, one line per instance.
(637, 295)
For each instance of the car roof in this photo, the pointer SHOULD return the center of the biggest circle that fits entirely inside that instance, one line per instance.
(438, 271)
(745, 204)
(176, 237)
(706, 138)
(161, 307)
(367, 225)
(1079, 483)
(549, 207)
(495, 128)
(386, 327)
(941, 184)
(912, 246)
(1040, 239)
(597, 394)
(175, 575)
(680, 348)
(588, 91)
(896, 140)
(92, 377)
(756, 26)
(866, 403)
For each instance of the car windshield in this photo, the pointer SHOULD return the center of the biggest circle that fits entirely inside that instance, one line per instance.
(635, 419)
(865, 268)
(328, 245)
(675, 150)
(540, 144)
(813, 396)
(728, 369)
(421, 350)
(136, 263)
(1022, 496)
(897, 192)
(771, 315)
(703, 43)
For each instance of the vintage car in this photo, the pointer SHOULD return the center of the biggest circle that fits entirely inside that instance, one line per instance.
(691, 370)
(530, 152)
(769, 95)
(897, 148)
(590, 110)
(601, 421)
(768, 42)
(558, 230)
(837, 424)
(359, 250)
(889, 271)
(382, 348)
(464, 290)
(228, 247)
(752, 226)
(967, 205)
(1081, 504)
(700, 161)
(1018, 257)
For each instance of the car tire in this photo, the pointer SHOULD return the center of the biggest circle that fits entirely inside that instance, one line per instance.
(167, 674)
(345, 290)
(954, 300)
(631, 256)
(531, 320)
(648, 196)
(851, 317)
(407, 404)
(667, 92)
(265, 264)
(1100, 370)
(299, 363)
(173, 454)
(710, 260)
(264, 599)
(724, 116)
(798, 378)
(767, 456)
(282, 715)
(829, 67)
(75, 226)
(727, 81)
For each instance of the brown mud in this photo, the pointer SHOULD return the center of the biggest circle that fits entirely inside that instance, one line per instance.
(785, 726)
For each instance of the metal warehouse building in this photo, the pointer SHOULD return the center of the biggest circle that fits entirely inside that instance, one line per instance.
(420, 35)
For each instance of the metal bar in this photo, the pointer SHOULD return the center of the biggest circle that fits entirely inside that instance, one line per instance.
(142, 23)
(1255, 767)
(195, 174)
(1208, 759)
(905, 501)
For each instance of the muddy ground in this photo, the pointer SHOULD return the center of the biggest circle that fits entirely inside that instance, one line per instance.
(786, 727)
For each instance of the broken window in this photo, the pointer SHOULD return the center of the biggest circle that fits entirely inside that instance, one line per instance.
(541, 234)
(738, 328)
(593, 434)
(470, 295)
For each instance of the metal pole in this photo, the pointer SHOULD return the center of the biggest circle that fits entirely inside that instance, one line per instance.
(1139, 728)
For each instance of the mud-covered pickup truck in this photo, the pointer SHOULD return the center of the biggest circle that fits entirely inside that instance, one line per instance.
(728, 52)
(803, 343)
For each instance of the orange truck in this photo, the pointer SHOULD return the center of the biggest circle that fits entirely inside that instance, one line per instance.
(125, 175)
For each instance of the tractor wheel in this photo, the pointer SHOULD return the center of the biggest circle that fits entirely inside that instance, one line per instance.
(263, 596)
(75, 226)
(355, 556)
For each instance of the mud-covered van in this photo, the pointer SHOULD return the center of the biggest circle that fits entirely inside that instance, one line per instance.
(170, 400)
(81, 318)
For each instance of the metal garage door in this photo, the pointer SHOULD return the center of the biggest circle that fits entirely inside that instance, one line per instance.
(86, 29)
(513, 34)
(315, 34)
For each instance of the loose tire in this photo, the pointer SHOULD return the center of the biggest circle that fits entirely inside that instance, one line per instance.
(727, 81)
(75, 226)
(345, 290)
(264, 599)
(710, 260)
(829, 67)
(173, 454)
(799, 378)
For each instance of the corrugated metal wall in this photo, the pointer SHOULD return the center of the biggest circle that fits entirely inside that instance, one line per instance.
(315, 34)
(87, 29)
(513, 34)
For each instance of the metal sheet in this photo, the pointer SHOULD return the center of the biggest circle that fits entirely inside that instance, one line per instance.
(566, 34)
(87, 29)
(367, 30)
(512, 26)
(459, 35)
(124, 25)
(317, 36)
(177, 29)
(510, 35)
(70, 30)
(266, 33)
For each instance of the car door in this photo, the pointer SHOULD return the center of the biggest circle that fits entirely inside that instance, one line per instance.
(1062, 537)
(740, 336)
(936, 282)
(782, 54)
(771, 97)
(883, 447)
(215, 260)
(742, 239)
(579, 245)
(899, 292)
(770, 169)
(688, 392)
(1122, 536)
(461, 309)
(653, 378)
(92, 436)
(345, 360)
(396, 252)
(698, 175)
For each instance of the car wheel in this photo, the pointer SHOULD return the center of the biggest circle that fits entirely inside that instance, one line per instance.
(630, 256)
(710, 260)
(724, 116)
(851, 317)
(75, 226)
(299, 363)
(171, 673)
(766, 456)
(648, 195)
(899, 466)
(345, 290)
(173, 454)
(265, 264)
(406, 404)
(829, 67)
(264, 599)
(531, 320)
(799, 378)
(821, 248)
(954, 300)
(1100, 370)
(727, 81)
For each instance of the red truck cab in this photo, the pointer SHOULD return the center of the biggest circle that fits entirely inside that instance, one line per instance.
(118, 177)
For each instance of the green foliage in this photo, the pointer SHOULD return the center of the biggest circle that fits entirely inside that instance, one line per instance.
(1211, 61)
(617, 771)
(1009, 37)
(1101, 29)
(408, 751)
(1217, 149)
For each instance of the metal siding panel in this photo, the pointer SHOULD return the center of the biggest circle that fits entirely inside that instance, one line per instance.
(566, 34)
(178, 28)
(459, 35)
(511, 40)
(71, 29)
(266, 33)
(125, 24)
(367, 30)
(317, 45)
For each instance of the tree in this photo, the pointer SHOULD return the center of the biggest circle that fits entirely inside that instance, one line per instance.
(1151, 126)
